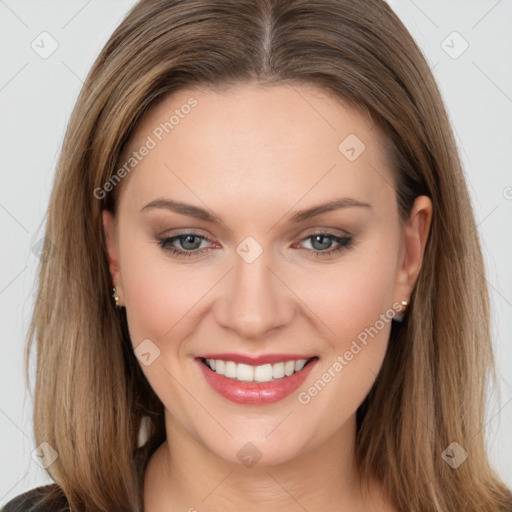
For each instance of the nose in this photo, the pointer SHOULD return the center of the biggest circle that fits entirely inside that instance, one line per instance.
(255, 300)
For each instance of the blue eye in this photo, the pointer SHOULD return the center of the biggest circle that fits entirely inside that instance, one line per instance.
(189, 243)
(321, 244)
(320, 240)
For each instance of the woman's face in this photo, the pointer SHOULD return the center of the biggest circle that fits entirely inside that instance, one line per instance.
(224, 248)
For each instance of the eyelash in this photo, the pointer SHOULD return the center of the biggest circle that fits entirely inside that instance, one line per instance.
(344, 242)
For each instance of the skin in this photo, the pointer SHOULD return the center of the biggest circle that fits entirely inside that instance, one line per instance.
(254, 156)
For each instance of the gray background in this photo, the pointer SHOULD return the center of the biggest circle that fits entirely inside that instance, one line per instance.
(36, 98)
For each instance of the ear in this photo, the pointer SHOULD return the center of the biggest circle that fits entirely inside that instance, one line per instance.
(415, 235)
(109, 227)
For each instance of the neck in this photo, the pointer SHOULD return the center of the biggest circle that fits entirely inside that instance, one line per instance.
(184, 475)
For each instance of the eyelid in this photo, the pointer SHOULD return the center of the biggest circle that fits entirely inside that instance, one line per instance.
(171, 233)
(326, 231)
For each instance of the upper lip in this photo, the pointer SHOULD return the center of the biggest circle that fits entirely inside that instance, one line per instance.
(257, 360)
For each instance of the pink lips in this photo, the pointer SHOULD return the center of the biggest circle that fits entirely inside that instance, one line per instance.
(255, 393)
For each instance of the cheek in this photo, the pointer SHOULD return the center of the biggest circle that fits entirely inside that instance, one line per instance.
(158, 292)
(351, 295)
(353, 299)
(160, 297)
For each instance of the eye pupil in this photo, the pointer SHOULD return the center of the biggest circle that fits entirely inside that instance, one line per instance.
(326, 244)
(187, 240)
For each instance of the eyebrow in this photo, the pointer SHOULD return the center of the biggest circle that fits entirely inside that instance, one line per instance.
(208, 216)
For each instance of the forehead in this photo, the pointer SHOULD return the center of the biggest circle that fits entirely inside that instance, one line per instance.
(257, 144)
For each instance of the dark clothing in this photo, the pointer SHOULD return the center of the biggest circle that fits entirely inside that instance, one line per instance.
(32, 501)
(51, 498)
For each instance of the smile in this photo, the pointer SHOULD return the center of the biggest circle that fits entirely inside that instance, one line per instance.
(245, 383)
(249, 373)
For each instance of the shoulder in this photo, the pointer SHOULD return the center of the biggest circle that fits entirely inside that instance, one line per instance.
(47, 498)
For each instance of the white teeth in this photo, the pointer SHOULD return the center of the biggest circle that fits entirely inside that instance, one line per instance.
(278, 370)
(263, 373)
(299, 365)
(289, 368)
(230, 369)
(244, 372)
(220, 366)
(249, 373)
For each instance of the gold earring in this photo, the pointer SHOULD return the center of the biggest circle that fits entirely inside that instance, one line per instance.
(116, 296)
(400, 316)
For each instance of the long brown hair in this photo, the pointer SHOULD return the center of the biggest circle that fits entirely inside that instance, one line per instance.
(90, 394)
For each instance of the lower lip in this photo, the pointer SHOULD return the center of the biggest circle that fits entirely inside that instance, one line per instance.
(255, 393)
